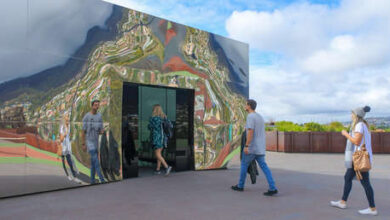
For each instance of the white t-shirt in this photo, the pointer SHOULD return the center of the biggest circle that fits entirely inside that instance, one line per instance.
(362, 128)
(66, 146)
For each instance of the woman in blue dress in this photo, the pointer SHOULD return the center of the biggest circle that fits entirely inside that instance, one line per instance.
(158, 138)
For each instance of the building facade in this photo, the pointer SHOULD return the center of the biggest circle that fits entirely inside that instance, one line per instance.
(129, 63)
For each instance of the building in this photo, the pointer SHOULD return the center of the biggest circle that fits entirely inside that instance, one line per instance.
(132, 63)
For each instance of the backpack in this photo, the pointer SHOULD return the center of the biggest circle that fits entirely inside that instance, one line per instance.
(167, 127)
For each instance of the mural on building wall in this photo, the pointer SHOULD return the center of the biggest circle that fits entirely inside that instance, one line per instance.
(132, 47)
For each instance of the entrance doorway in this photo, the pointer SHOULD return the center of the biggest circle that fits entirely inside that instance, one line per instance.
(137, 153)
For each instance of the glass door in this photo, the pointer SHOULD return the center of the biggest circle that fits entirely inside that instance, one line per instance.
(148, 97)
(138, 102)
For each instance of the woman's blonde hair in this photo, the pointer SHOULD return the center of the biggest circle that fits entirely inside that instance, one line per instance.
(356, 119)
(157, 111)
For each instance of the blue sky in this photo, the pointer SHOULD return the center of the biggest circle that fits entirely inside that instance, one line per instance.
(309, 60)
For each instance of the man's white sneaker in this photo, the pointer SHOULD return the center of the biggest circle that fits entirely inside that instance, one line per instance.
(368, 212)
(338, 204)
(70, 178)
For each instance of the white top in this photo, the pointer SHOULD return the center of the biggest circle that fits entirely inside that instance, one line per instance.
(66, 146)
(362, 128)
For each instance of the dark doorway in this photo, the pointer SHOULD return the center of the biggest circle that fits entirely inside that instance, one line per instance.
(178, 105)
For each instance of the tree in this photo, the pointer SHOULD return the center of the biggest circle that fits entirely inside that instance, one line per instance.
(335, 126)
(313, 126)
(287, 126)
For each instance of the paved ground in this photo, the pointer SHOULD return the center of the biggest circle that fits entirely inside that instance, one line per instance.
(41, 177)
(18, 175)
(307, 182)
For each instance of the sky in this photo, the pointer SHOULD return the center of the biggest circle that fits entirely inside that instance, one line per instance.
(309, 60)
(39, 34)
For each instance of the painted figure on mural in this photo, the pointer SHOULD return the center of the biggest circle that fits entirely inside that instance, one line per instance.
(66, 151)
(92, 128)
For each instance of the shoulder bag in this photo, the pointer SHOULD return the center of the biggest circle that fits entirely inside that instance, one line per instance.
(361, 160)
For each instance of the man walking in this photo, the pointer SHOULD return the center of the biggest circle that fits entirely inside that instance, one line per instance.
(92, 128)
(255, 148)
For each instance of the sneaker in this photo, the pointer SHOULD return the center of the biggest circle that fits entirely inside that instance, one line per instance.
(338, 204)
(270, 192)
(168, 171)
(70, 178)
(157, 172)
(236, 188)
(77, 180)
(368, 212)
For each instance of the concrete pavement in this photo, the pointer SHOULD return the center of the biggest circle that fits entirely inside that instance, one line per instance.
(307, 182)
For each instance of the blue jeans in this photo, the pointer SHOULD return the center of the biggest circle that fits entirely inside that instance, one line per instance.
(246, 160)
(95, 166)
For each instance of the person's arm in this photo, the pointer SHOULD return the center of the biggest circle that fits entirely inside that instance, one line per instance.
(62, 134)
(101, 126)
(354, 140)
(249, 137)
(83, 132)
(83, 140)
(358, 134)
(250, 126)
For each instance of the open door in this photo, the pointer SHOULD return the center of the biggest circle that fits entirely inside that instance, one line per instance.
(178, 105)
(130, 115)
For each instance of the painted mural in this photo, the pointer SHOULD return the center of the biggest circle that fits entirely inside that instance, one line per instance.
(131, 47)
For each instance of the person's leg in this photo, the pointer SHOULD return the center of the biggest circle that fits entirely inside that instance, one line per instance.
(368, 189)
(74, 164)
(69, 159)
(348, 177)
(158, 165)
(92, 154)
(267, 172)
(160, 158)
(245, 161)
(97, 168)
(63, 165)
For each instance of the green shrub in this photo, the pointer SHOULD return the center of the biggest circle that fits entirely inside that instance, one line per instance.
(268, 128)
(288, 126)
(335, 126)
(313, 126)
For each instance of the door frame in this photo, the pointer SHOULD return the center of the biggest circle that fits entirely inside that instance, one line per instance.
(191, 112)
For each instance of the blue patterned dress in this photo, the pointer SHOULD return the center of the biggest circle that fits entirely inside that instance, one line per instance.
(157, 136)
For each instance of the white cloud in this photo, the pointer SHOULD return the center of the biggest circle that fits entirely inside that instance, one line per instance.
(330, 59)
(133, 4)
(284, 94)
(206, 15)
(40, 34)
